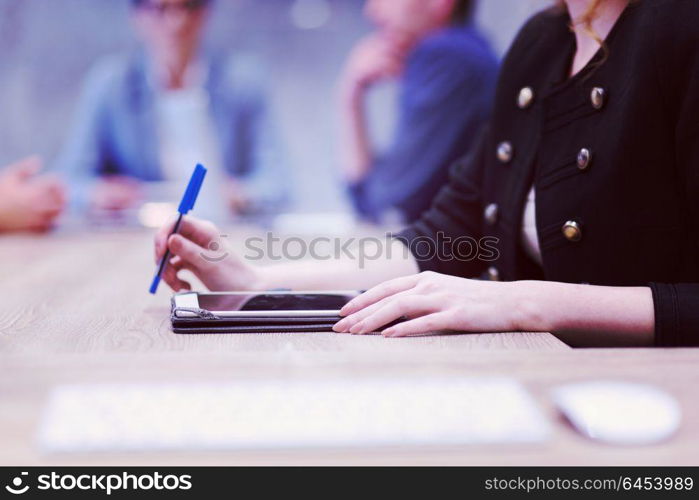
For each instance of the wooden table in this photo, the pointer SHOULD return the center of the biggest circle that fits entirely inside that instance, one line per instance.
(74, 309)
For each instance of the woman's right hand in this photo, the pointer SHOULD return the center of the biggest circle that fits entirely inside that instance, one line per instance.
(198, 247)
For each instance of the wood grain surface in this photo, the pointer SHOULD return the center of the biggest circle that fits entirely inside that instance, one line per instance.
(75, 308)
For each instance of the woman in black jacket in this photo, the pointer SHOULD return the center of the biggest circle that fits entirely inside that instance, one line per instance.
(581, 201)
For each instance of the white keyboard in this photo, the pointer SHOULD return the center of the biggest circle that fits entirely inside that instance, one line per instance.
(275, 414)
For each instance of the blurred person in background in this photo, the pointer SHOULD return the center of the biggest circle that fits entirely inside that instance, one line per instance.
(29, 201)
(447, 73)
(150, 116)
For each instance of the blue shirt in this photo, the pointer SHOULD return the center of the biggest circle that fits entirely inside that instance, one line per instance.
(115, 130)
(446, 94)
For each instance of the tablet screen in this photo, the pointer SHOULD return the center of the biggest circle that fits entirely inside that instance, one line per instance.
(274, 302)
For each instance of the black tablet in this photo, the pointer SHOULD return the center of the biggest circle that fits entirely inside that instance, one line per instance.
(263, 304)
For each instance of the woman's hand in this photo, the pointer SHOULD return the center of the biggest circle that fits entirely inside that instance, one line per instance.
(29, 201)
(433, 302)
(198, 247)
(116, 193)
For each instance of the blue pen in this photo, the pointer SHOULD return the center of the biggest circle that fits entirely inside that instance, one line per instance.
(187, 203)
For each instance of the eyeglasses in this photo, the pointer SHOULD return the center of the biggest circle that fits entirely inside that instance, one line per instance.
(162, 8)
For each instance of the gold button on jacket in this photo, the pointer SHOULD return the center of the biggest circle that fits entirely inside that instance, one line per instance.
(525, 98)
(584, 159)
(491, 213)
(598, 97)
(505, 152)
(572, 231)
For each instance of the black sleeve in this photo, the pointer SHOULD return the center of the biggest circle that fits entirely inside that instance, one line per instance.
(677, 58)
(676, 314)
(436, 239)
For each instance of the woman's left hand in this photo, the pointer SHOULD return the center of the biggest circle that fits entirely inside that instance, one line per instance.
(433, 302)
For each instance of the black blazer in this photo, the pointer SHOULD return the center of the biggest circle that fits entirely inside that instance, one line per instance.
(613, 154)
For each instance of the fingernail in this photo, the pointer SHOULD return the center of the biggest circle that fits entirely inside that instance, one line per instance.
(347, 308)
(388, 333)
(339, 327)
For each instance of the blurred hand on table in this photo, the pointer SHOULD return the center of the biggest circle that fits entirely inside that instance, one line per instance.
(116, 193)
(29, 201)
(237, 199)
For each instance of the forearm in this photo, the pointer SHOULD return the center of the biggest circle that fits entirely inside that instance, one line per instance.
(357, 154)
(587, 315)
(366, 266)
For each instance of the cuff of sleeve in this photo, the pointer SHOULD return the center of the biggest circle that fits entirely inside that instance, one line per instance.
(666, 313)
(676, 314)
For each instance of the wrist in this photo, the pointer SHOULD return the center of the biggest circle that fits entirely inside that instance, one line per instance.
(585, 315)
(261, 279)
(535, 306)
(237, 275)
